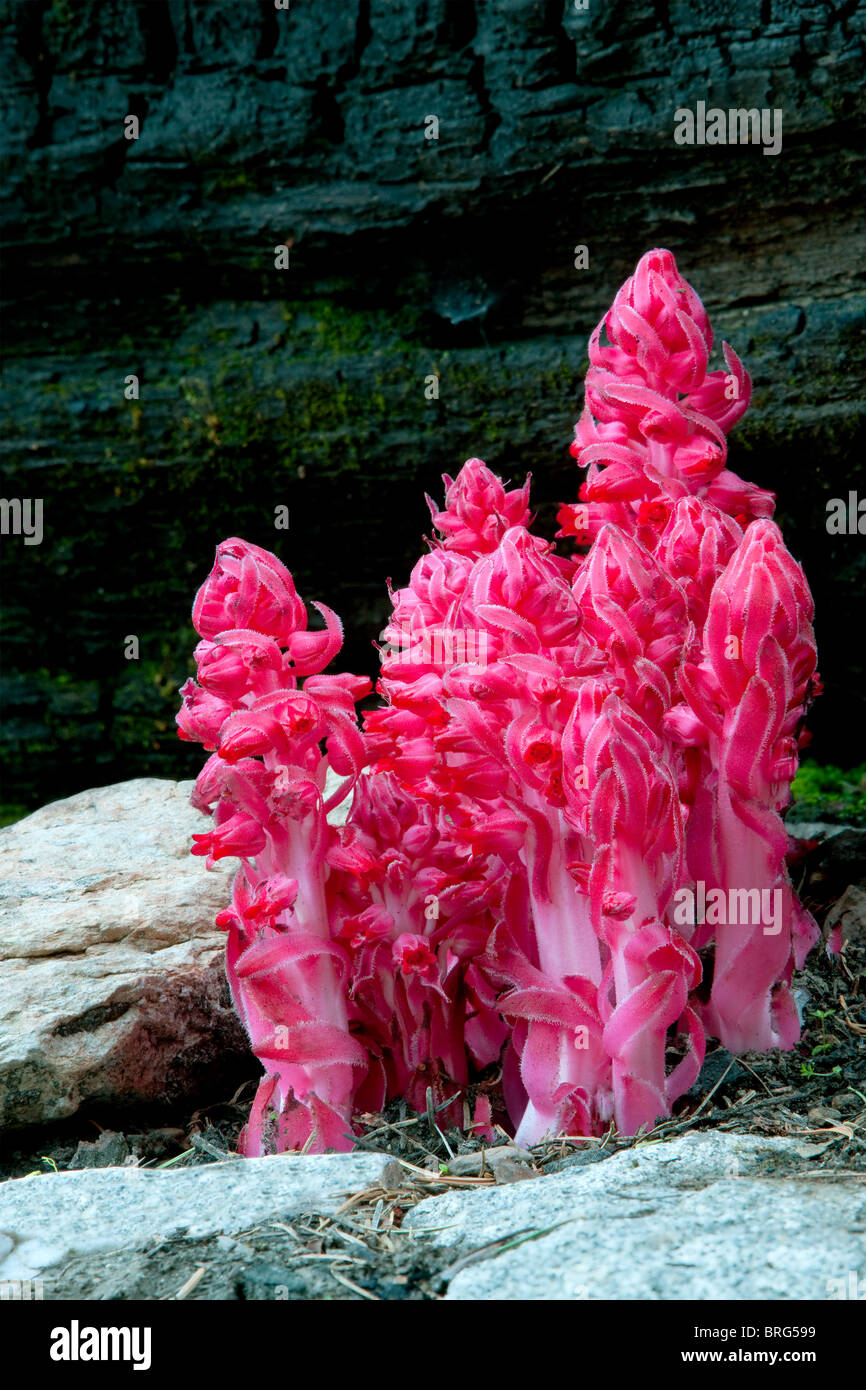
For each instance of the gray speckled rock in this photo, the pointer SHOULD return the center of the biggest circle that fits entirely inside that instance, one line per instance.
(112, 985)
(814, 829)
(111, 970)
(46, 1220)
(707, 1216)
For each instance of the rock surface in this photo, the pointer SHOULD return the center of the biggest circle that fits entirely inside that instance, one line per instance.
(45, 1222)
(409, 257)
(836, 870)
(705, 1216)
(849, 913)
(112, 983)
(112, 987)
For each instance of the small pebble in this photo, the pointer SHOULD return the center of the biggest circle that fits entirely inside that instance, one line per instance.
(466, 1165)
(822, 1114)
(393, 1175)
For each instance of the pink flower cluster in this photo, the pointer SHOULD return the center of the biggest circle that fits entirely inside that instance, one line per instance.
(520, 887)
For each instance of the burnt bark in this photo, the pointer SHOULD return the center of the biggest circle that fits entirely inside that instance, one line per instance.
(408, 257)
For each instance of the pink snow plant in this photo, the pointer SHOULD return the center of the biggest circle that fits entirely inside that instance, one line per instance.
(564, 865)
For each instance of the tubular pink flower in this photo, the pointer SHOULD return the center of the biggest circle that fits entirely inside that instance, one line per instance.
(694, 547)
(743, 501)
(412, 956)
(263, 905)
(201, 716)
(239, 835)
(433, 594)
(636, 613)
(520, 596)
(478, 511)
(723, 396)
(248, 588)
(310, 652)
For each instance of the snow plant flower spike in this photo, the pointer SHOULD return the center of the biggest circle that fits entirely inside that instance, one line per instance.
(265, 784)
(564, 864)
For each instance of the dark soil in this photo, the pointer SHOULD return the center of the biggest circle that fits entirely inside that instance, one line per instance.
(293, 1263)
